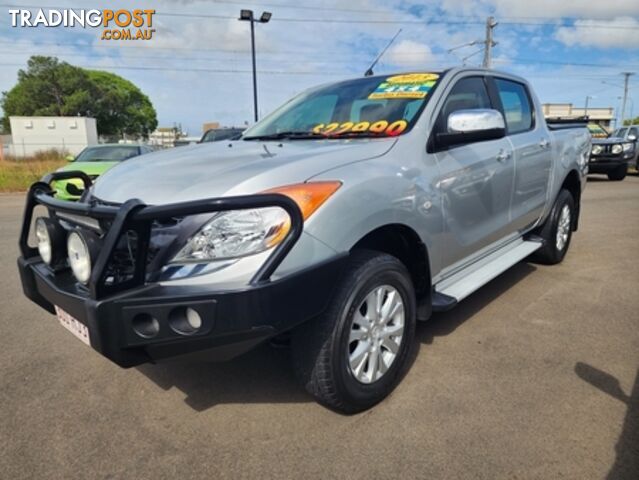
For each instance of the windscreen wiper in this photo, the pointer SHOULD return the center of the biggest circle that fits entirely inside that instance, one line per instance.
(293, 134)
(362, 134)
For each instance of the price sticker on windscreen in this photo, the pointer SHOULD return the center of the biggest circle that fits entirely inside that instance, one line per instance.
(412, 85)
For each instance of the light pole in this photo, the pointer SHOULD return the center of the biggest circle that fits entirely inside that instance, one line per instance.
(247, 16)
(588, 98)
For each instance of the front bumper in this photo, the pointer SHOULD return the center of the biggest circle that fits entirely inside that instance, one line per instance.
(605, 164)
(232, 320)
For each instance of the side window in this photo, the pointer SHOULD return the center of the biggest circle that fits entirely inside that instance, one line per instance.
(634, 131)
(468, 93)
(517, 105)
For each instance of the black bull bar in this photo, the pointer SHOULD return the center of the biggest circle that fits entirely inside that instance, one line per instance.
(139, 217)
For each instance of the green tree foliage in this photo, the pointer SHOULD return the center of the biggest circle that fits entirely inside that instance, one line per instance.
(632, 121)
(50, 87)
(120, 107)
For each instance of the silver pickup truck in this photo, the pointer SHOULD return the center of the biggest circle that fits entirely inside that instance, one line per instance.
(338, 221)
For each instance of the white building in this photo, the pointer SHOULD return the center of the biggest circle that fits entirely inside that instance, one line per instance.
(33, 134)
(602, 116)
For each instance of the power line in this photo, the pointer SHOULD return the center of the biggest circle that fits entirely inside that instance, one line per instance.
(203, 70)
(331, 57)
(347, 74)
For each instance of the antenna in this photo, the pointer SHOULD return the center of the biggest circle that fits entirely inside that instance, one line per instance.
(369, 72)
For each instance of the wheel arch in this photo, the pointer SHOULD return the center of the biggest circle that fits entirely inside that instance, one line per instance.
(404, 243)
(572, 183)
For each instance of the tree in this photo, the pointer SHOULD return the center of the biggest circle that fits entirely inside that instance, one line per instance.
(50, 87)
(631, 121)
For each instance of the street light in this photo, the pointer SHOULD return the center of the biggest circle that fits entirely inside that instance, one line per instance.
(247, 16)
(589, 97)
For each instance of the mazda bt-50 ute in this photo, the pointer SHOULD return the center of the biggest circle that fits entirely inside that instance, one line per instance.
(342, 218)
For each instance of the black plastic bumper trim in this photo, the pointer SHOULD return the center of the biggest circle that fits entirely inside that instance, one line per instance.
(233, 321)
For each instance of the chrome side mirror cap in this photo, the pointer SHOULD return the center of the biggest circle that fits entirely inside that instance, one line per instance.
(476, 120)
(470, 126)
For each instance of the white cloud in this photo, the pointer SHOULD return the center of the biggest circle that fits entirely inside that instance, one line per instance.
(624, 33)
(566, 8)
(408, 53)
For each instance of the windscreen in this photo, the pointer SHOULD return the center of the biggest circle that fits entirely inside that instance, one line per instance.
(107, 154)
(370, 106)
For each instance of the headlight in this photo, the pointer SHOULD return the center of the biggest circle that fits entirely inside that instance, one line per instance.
(236, 234)
(79, 257)
(628, 147)
(45, 248)
(597, 149)
(239, 233)
(617, 149)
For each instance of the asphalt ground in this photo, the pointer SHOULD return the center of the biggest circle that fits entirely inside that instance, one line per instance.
(534, 376)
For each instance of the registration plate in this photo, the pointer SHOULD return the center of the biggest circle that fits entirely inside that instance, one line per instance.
(74, 326)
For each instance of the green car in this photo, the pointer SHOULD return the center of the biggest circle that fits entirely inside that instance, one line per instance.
(94, 161)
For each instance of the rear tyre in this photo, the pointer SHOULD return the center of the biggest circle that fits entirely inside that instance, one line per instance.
(353, 355)
(557, 231)
(618, 173)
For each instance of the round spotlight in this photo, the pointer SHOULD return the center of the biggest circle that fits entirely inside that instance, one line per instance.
(185, 320)
(617, 149)
(79, 257)
(145, 325)
(43, 237)
(193, 318)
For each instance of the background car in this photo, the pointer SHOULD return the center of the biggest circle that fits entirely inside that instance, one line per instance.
(612, 155)
(94, 161)
(630, 134)
(217, 134)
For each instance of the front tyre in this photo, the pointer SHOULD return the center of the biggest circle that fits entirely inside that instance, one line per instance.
(557, 231)
(352, 356)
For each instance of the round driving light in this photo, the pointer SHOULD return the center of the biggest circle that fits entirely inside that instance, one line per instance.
(185, 320)
(145, 325)
(617, 149)
(43, 236)
(79, 257)
(596, 149)
(193, 318)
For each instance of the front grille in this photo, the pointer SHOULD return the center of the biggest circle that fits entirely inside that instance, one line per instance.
(121, 268)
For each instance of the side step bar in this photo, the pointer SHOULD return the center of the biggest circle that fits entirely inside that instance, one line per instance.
(455, 288)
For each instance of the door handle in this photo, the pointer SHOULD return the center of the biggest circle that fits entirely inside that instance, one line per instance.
(544, 143)
(503, 155)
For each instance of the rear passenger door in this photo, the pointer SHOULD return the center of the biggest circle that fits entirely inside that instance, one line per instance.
(532, 158)
(475, 180)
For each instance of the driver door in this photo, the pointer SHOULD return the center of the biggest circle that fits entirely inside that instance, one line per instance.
(475, 182)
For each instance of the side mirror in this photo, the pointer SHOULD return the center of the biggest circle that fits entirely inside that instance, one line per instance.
(476, 125)
(632, 137)
(69, 158)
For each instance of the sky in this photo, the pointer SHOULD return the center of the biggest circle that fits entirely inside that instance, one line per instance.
(197, 68)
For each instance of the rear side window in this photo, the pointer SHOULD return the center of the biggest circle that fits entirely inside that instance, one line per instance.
(517, 105)
(467, 94)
